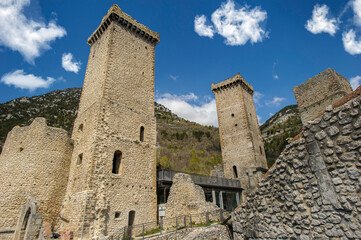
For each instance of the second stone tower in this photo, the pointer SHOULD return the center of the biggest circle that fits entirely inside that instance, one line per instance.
(241, 142)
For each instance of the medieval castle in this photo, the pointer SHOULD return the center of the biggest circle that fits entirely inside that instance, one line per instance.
(104, 177)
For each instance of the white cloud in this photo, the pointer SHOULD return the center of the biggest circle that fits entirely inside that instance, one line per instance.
(68, 63)
(276, 101)
(270, 114)
(355, 82)
(276, 76)
(321, 21)
(350, 43)
(174, 77)
(259, 120)
(356, 7)
(20, 79)
(237, 26)
(27, 36)
(205, 113)
(201, 27)
(257, 98)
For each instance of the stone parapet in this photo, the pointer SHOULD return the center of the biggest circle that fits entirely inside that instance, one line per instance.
(115, 14)
(237, 79)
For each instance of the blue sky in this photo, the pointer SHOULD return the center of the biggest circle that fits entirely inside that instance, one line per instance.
(274, 44)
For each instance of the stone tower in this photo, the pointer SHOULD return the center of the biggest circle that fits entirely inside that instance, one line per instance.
(242, 146)
(314, 95)
(112, 181)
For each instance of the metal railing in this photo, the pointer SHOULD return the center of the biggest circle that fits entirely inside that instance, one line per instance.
(169, 225)
(166, 175)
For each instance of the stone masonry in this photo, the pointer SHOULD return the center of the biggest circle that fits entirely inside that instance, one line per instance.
(314, 95)
(34, 165)
(113, 166)
(313, 190)
(187, 198)
(242, 146)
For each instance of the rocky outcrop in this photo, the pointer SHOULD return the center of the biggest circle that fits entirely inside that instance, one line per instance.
(313, 190)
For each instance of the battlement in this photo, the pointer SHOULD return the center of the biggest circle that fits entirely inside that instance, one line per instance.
(237, 79)
(115, 14)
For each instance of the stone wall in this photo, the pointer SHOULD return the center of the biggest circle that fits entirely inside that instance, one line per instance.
(314, 95)
(240, 136)
(186, 198)
(34, 165)
(313, 190)
(116, 103)
(214, 232)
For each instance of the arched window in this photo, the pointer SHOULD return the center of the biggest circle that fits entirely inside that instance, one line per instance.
(141, 138)
(235, 173)
(116, 162)
(131, 218)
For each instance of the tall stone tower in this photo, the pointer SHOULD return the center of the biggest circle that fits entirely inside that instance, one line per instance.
(112, 180)
(242, 146)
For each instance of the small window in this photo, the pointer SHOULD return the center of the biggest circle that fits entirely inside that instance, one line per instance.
(236, 125)
(232, 114)
(235, 173)
(116, 162)
(117, 215)
(260, 150)
(80, 127)
(141, 138)
(80, 159)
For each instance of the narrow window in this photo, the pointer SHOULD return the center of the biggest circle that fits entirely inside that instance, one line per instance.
(235, 174)
(117, 215)
(131, 218)
(116, 162)
(80, 127)
(232, 114)
(260, 149)
(80, 159)
(141, 134)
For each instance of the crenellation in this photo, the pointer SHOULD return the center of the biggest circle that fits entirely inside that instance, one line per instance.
(115, 14)
(237, 79)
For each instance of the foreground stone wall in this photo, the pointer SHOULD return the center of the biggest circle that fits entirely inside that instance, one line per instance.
(34, 165)
(313, 190)
(314, 95)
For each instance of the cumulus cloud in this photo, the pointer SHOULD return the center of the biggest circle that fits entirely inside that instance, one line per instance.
(27, 36)
(237, 26)
(257, 96)
(69, 64)
(321, 21)
(350, 43)
(356, 7)
(202, 28)
(20, 79)
(260, 122)
(185, 106)
(355, 82)
(276, 101)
